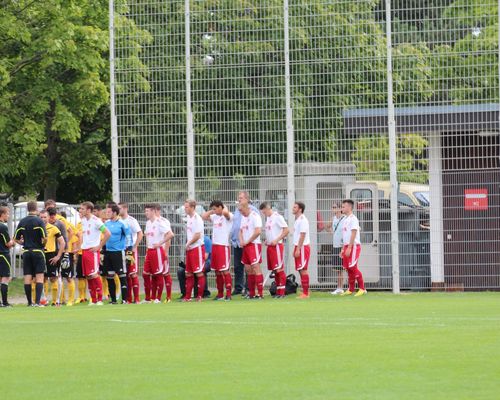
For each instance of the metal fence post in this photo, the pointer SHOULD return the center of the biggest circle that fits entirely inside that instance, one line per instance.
(189, 112)
(391, 122)
(114, 129)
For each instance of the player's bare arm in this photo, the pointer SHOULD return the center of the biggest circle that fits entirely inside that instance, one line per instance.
(60, 245)
(194, 239)
(284, 234)
(348, 251)
(300, 244)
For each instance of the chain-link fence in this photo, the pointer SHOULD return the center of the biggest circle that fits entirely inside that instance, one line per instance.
(391, 103)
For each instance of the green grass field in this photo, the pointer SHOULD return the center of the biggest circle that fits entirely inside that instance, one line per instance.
(382, 346)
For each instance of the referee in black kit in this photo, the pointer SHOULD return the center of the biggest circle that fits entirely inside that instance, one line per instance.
(32, 235)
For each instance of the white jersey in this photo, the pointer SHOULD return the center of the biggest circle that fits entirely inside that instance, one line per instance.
(349, 224)
(155, 232)
(91, 230)
(221, 229)
(194, 225)
(134, 227)
(301, 225)
(166, 224)
(249, 224)
(274, 227)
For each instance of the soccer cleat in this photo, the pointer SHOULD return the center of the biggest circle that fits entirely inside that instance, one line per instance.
(279, 296)
(78, 301)
(70, 303)
(337, 292)
(218, 298)
(5, 305)
(137, 301)
(39, 305)
(303, 296)
(166, 301)
(99, 303)
(346, 293)
(92, 304)
(145, 301)
(157, 301)
(360, 292)
(186, 300)
(199, 299)
(227, 298)
(113, 302)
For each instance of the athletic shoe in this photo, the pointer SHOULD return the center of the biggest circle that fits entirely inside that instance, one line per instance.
(38, 305)
(145, 301)
(113, 302)
(303, 296)
(157, 301)
(218, 298)
(167, 301)
(63, 303)
(360, 292)
(279, 296)
(247, 296)
(227, 298)
(199, 299)
(92, 304)
(258, 297)
(337, 292)
(346, 293)
(99, 303)
(70, 303)
(186, 300)
(78, 301)
(5, 305)
(137, 301)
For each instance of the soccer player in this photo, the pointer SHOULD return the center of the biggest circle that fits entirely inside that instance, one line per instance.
(54, 250)
(133, 240)
(351, 250)
(250, 230)
(222, 221)
(156, 237)
(92, 243)
(31, 233)
(276, 230)
(335, 227)
(5, 244)
(77, 254)
(166, 264)
(195, 250)
(114, 255)
(302, 248)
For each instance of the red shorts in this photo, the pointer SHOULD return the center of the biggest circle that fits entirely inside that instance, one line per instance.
(302, 261)
(132, 269)
(352, 260)
(90, 262)
(275, 257)
(252, 254)
(154, 261)
(221, 257)
(195, 260)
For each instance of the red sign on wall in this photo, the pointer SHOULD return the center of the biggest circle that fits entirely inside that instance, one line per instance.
(476, 199)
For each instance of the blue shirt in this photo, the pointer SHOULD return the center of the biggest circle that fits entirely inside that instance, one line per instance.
(207, 242)
(119, 232)
(235, 230)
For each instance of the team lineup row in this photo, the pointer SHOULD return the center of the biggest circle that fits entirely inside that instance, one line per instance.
(48, 239)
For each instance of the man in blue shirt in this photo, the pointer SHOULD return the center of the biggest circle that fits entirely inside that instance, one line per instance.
(239, 268)
(114, 257)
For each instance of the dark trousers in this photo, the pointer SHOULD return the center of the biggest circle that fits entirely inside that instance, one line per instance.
(181, 276)
(239, 270)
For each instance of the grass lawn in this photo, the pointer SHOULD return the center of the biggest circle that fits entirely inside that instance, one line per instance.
(381, 346)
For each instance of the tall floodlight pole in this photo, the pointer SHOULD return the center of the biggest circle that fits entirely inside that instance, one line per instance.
(392, 155)
(189, 113)
(114, 129)
(290, 140)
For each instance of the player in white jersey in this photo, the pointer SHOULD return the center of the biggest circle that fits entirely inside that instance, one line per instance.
(352, 249)
(335, 227)
(94, 237)
(166, 264)
(302, 248)
(222, 221)
(276, 230)
(250, 230)
(195, 250)
(156, 237)
(132, 256)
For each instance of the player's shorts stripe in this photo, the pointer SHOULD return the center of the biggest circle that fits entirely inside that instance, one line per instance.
(257, 253)
(124, 262)
(7, 261)
(226, 252)
(354, 257)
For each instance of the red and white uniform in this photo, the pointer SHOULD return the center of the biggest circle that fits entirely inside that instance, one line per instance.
(221, 251)
(135, 228)
(195, 254)
(275, 254)
(168, 228)
(349, 224)
(155, 257)
(301, 225)
(252, 252)
(92, 229)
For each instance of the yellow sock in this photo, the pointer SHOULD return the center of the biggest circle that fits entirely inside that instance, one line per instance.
(53, 287)
(33, 291)
(71, 291)
(63, 295)
(82, 288)
(46, 288)
(118, 288)
(105, 288)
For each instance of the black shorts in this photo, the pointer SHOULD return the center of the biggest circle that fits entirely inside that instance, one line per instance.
(5, 265)
(69, 272)
(33, 262)
(337, 261)
(79, 272)
(52, 271)
(114, 262)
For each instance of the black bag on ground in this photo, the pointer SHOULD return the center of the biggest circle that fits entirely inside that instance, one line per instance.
(291, 286)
